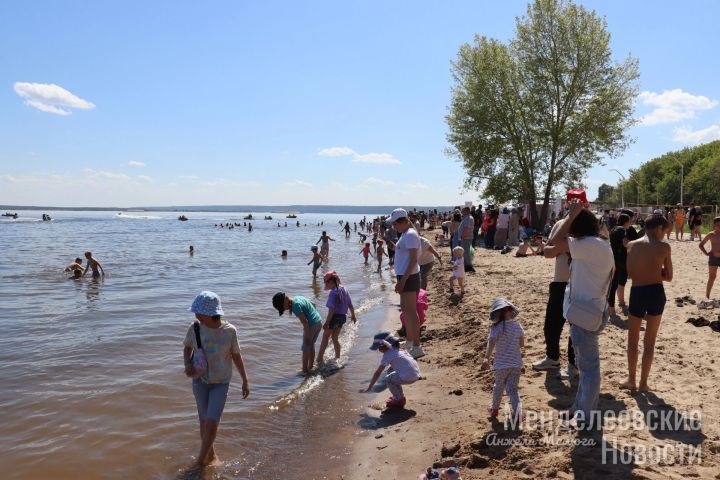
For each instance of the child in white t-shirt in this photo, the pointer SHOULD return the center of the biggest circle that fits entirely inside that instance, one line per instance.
(405, 368)
(458, 272)
(506, 338)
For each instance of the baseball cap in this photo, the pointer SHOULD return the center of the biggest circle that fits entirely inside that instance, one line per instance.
(383, 338)
(397, 214)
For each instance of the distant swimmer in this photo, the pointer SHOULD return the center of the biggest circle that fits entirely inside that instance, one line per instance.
(363, 237)
(347, 229)
(284, 254)
(249, 227)
(76, 265)
(191, 251)
(94, 265)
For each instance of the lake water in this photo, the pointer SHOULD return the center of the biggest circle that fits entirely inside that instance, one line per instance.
(93, 383)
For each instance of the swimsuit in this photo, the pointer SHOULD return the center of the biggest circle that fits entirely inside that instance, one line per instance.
(714, 261)
(647, 300)
(316, 265)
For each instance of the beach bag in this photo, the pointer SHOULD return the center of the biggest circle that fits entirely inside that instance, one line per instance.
(585, 313)
(199, 360)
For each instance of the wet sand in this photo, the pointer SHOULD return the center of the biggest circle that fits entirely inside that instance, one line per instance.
(446, 420)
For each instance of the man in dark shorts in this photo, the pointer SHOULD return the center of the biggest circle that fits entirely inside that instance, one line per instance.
(619, 238)
(649, 264)
(713, 254)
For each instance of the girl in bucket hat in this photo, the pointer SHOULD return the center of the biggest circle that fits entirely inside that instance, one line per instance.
(506, 338)
(339, 302)
(218, 340)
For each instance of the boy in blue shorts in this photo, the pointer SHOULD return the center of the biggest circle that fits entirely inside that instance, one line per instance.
(311, 321)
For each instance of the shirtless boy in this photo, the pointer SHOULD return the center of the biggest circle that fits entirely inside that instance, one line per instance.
(713, 255)
(93, 265)
(649, 265)
(77, 265)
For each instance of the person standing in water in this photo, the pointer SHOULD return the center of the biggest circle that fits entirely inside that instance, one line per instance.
(218, 340)
(338, 304)
(311, 321)
(94, 265)
(325, 247)
(347, 229)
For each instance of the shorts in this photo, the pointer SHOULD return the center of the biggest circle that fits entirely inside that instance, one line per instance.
(337, 321)
(412, 284)
(210, 399)
(714, 261)
(316, 266)
(647, 300)
(311, 336)
(458, 273)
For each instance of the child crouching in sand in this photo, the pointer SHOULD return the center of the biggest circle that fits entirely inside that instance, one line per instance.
(405, 368)
(507, 338)
(458, 272)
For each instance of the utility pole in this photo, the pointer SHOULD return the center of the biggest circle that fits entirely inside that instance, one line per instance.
(622, 187)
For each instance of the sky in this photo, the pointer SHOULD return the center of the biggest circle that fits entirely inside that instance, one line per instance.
(297, 102)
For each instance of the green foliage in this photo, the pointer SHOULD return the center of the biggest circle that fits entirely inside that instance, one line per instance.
(659, 178)
(605, 193)
(531, 116)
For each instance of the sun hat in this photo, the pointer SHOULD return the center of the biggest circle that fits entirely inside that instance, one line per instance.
(397, 214)
(383, 338)
(499, 304)
(207, 303)
(329, 276)
(578, 193)
(279, 302)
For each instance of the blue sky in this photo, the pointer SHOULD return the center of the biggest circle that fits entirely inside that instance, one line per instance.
(317, 102)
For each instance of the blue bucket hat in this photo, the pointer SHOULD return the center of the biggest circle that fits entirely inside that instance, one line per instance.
(207, 303)
(383, 337)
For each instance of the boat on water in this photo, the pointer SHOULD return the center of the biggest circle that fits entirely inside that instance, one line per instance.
(268, 217)
(12, 215)
(292, 215)
(182, 218)
(248, 217)
(46, 217)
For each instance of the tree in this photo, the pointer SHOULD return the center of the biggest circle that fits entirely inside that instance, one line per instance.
(605, 193)
(534, 114)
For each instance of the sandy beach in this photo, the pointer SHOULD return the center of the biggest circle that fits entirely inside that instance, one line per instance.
(446, 420)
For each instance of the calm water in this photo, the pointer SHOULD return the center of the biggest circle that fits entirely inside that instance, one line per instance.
(92, 381)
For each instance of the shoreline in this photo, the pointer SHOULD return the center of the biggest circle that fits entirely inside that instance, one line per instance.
(446, 421)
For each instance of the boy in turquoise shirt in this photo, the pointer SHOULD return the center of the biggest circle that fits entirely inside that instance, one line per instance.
(308, 315)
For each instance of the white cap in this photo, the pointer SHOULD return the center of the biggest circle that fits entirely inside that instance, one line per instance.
(397, 214)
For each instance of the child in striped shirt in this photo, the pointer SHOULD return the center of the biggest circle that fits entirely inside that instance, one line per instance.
(506, 338)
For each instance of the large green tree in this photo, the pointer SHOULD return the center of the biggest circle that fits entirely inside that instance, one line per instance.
(532, 115)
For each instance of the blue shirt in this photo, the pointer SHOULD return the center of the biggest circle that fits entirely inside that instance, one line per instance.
(302, 306)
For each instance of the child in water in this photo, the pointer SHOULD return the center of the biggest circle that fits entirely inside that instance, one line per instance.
(506, 338)
(311, 321)
(316, 260)
(366, 252)
(405, 368)
(339, 302)
(458, 272)
(94, 265)
(380, 251)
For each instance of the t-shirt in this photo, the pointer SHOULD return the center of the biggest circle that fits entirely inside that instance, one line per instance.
(426, 256)
(592, 262)
(632, 234)
(616, 243)
(503, 220)
(507, 347)
(562, 267)
(218, 344)
(467, 223)
(409, 239)
(403, 363)
(339, 300)
(458, 267)
(301, 305)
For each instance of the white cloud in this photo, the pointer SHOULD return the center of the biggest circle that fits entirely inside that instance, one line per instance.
(224, 182)
(144, 178)
(418, 186)
(298, 183)
(375, 182)
(107, 175)
(136, 164)
(50, 98)
(376, 158)
(336, 152)
(690, 136)
(673, 106)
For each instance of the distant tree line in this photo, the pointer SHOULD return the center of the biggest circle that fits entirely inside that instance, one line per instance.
(657, 182)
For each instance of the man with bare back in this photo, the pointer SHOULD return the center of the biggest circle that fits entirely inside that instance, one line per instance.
(649, 265)
(713, 255)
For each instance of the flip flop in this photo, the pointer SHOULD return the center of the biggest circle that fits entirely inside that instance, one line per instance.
(698, 322)
(715, 325)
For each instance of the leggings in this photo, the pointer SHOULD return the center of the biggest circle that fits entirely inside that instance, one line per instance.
(506, 380)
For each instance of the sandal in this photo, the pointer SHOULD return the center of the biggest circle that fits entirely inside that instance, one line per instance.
(715, 325)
